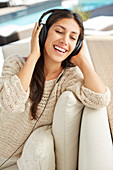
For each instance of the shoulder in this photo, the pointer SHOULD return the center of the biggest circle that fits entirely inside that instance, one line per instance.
(14, 59)
(72, 79)
(73, 72)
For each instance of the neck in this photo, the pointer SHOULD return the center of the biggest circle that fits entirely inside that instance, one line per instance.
(52, 71)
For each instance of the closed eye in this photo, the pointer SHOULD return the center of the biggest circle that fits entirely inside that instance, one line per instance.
(73, 38)
(62, 33)
(59, 32)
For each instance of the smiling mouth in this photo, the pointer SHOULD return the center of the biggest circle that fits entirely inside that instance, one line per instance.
(59, 49)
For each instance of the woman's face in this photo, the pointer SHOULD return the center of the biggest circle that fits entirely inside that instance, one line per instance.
(61, 39)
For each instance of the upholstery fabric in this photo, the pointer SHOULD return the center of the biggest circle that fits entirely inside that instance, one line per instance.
(95, 146)
(66, 124)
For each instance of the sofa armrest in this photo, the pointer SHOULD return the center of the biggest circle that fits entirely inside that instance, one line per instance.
(95, 147)
(65, 128)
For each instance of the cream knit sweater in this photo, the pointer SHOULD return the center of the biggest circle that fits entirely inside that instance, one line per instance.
(15, 117)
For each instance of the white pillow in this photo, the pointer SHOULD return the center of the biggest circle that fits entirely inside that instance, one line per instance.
(65, 128)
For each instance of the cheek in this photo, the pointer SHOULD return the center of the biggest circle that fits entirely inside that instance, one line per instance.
(48, 45)
(48, 41)
(72, 47)
(50, 36)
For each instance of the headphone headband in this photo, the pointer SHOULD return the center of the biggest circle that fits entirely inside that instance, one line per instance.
(50, 11)
(44, 14)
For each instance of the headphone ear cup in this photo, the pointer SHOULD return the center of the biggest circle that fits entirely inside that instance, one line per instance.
(77, 49)
(43, 36)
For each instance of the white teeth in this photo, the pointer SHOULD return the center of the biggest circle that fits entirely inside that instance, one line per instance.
(60, 49)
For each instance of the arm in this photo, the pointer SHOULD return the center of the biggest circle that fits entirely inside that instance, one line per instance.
(14, 89)
(26, 72)
(12, 95)
(91, 80)
(73, 81)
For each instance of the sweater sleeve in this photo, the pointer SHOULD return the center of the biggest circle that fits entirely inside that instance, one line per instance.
(75, 83)
(12, 95)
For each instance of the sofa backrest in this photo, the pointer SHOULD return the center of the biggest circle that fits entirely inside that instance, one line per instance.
(1, 60)
(21, 49)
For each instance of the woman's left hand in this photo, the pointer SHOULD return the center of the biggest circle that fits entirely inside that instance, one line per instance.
(80, 56)
(91, 79)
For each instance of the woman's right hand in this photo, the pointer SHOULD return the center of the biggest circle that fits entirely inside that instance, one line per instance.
(35, 47)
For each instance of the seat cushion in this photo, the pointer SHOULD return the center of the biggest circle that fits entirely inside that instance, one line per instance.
(66, 123)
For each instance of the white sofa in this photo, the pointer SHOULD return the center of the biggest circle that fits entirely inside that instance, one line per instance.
(81, 134)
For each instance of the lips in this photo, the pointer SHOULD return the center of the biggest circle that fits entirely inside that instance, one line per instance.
(60, 49)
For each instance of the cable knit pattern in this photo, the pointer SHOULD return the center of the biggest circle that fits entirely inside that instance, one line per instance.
(15, 116)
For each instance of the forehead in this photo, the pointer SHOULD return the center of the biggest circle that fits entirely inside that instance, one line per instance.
(69, 24)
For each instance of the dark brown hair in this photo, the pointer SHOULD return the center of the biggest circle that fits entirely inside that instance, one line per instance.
(38, 78)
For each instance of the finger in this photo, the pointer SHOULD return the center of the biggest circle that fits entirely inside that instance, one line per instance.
(83, 45)
(35, 28)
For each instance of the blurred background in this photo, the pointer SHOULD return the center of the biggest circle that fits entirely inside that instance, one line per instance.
(17, 17)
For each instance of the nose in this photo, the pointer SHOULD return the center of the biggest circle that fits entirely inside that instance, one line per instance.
(64, 40)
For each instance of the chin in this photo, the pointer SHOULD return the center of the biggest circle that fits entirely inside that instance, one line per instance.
(59, 59)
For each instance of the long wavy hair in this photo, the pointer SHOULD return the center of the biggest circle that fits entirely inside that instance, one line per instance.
(38, 77)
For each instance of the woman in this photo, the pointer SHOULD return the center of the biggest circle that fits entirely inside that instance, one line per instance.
(30, 88)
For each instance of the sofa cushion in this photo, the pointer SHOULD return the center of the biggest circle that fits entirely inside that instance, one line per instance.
(1, 60)
(66, 123)
(21, 48)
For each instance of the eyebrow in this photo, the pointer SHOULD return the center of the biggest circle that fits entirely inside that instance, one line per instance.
(65, 29)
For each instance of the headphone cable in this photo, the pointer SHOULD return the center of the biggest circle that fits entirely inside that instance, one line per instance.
(35, 122)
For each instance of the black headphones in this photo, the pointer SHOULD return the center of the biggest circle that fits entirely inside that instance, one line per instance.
(44, 31)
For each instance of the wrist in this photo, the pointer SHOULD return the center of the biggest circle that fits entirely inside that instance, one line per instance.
(81, 62)
(33, 57)
(84, 66)
(31, 60)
